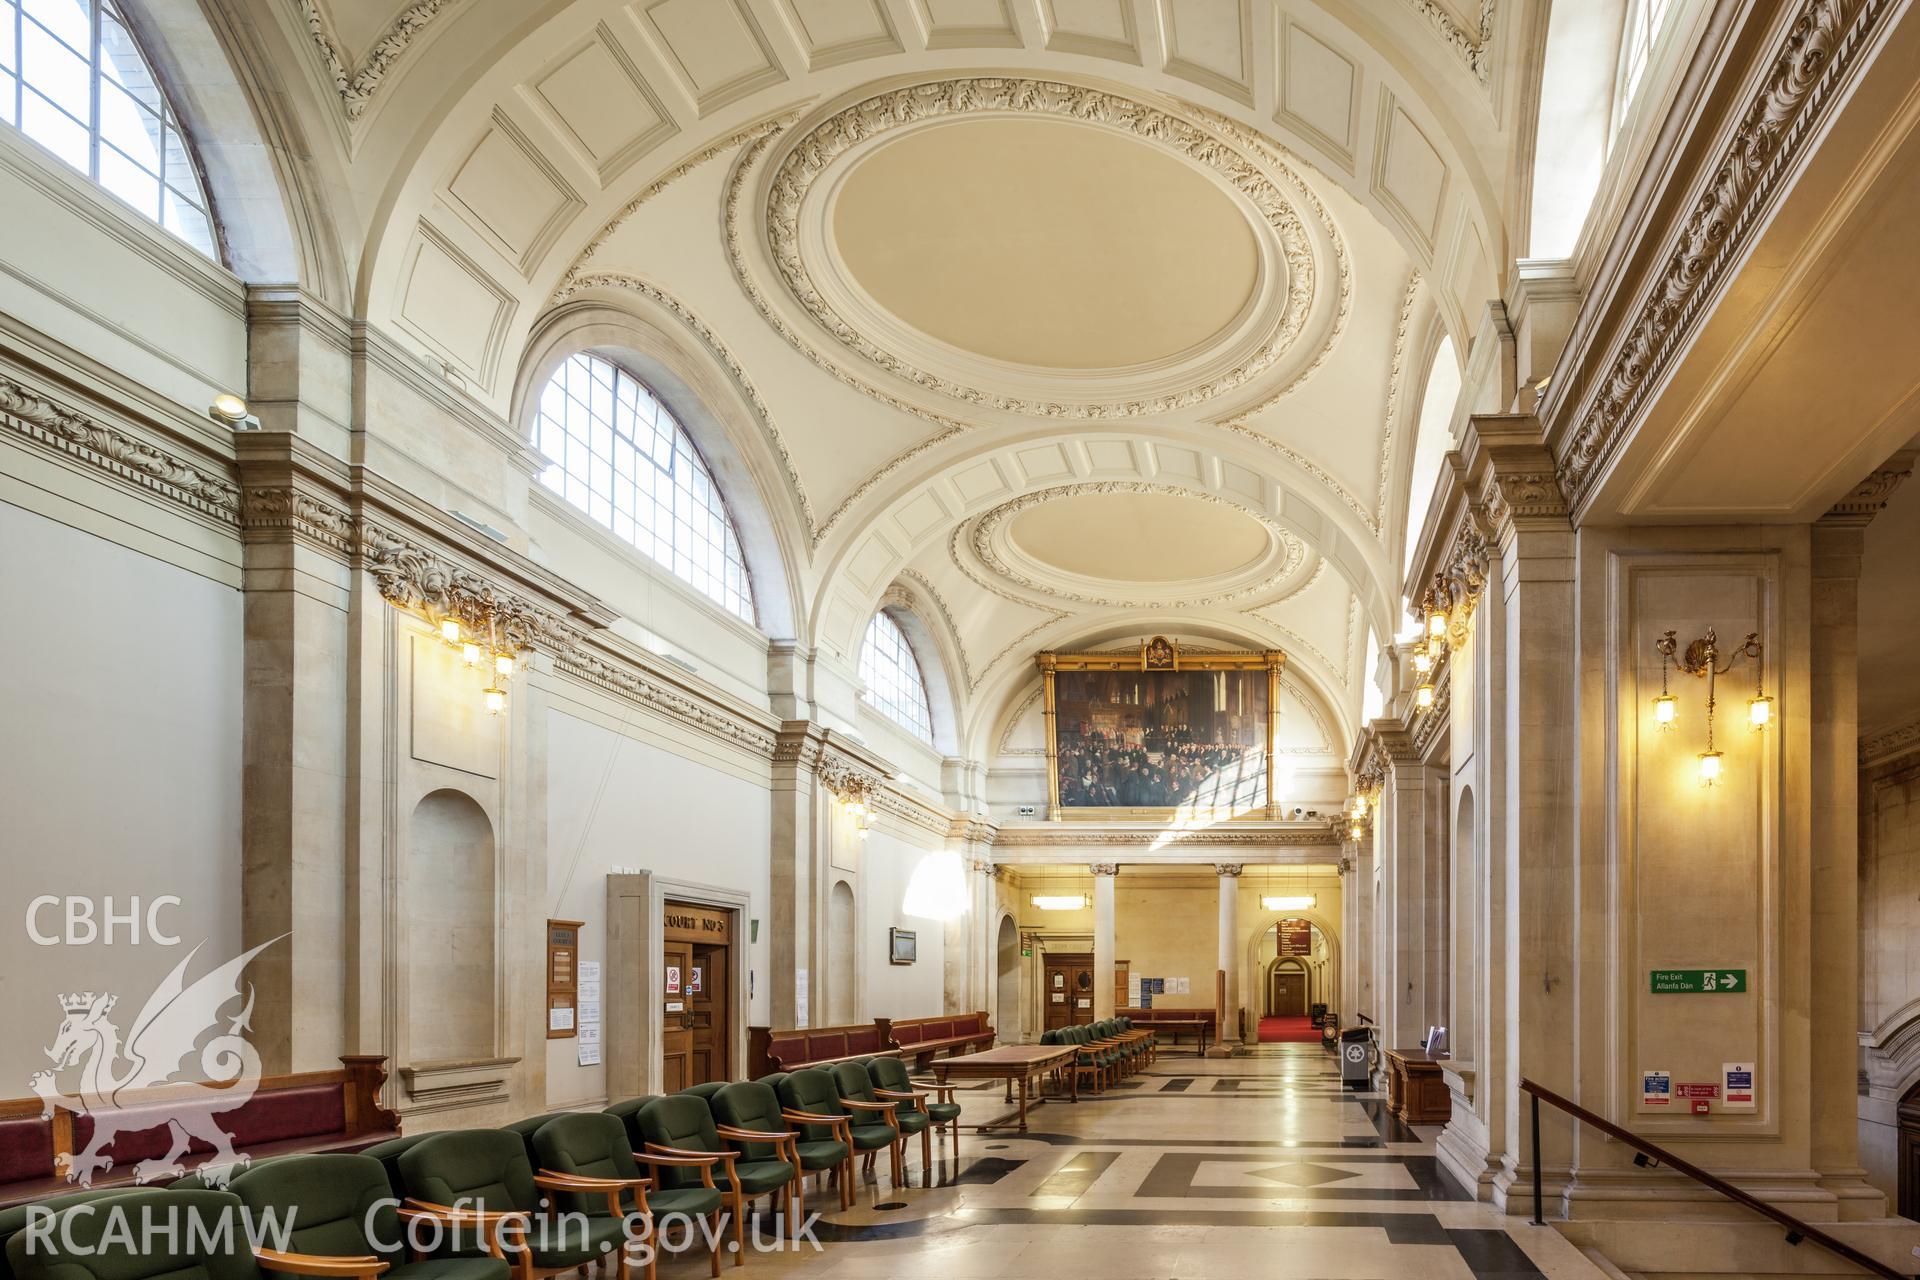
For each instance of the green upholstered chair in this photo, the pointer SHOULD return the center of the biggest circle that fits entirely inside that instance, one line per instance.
(772, 1079)
(680, 1127)
(749, 1107)
(592, 1151)
(627, 1111)
(891, 1083)
(480, 1182)
(811, 1099)
(13, 1218)
(197, 1234)
(707, 1090)
(341, 1206)
(528, 1127)
(388, 1154)
(857, 1096)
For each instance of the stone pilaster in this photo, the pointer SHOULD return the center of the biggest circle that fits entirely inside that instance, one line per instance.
(1533, 749)
(300, 588)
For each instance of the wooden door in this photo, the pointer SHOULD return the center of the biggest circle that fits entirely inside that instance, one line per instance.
(1067, 996)
(676, 1022)
(1908, 1185)
(707, 1002)
(1290, 993)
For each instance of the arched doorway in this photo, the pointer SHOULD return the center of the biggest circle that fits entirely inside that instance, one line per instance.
(1006, 1016)
(1319, 971)
(1289, 989)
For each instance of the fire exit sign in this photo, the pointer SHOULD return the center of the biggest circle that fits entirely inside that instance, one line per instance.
(1698, 981)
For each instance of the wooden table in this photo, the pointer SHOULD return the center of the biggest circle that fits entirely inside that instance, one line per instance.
(1416, 1091)
(1173, 1028)
(1010, 1062)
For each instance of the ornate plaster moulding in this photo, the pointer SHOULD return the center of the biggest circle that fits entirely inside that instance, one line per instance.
(1473, 48)
(783, 185)
(1822, 44)
(982, 550)
(357, 85)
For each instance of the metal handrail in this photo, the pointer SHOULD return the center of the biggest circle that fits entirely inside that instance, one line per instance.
(1797, 1231)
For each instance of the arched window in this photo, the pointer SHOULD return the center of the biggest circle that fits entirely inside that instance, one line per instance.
(892, 674)
(73, 79)
(620, 456)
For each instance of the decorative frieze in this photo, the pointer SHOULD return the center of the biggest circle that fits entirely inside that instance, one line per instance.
(79, 436)
(1823, 42)
(286, 510)
(413, 577)
(1890, 744)
(634, 684)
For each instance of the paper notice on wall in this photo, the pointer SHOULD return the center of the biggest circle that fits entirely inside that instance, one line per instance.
(589, 971)
(589, 1035)
(1133, 989)
(1656, 1088)
(1737, 1077)
(588, 1055)
(589, 1013)
(589, 990)
(799, 997)
(1178, 987)
(559, 1019)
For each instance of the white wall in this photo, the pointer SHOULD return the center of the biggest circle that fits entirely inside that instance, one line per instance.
(614, 800)
(888, 864)
(120, 757)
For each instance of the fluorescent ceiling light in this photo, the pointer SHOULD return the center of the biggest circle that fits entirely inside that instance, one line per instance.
(1060, 901)
(1287, 904)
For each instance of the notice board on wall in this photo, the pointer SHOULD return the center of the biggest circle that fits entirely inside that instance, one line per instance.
(1296, 938)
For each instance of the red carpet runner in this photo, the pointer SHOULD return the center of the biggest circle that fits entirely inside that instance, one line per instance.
(1292, 1030)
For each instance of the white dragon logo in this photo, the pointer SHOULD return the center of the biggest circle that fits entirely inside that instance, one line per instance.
(165, 1034)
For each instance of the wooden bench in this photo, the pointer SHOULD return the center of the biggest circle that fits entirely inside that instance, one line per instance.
(335, 1110)
(1201, 1024)
(924, 1039)
(770, 1050)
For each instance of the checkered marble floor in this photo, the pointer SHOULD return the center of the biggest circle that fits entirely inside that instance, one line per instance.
(1254, 1166)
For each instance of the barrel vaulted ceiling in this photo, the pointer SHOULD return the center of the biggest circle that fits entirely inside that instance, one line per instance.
(925, 245)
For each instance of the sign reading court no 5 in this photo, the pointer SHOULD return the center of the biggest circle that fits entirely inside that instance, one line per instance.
(1698, 981)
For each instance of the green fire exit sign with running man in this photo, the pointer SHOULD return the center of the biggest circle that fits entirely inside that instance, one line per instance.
(1699, 981)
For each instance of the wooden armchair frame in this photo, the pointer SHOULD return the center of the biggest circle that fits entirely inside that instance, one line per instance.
(843, 1133)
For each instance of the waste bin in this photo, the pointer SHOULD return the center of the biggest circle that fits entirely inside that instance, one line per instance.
(1356, 1054)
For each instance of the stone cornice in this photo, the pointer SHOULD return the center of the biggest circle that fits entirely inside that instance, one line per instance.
(632, 682)
(1890, 744)
(841, 765)
(1805, 69)
(202, 486)
(1869, 498)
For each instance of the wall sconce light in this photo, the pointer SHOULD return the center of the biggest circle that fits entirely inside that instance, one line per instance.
(1423, 696)
(230, 411)
(1422, 662)
(1702, 658)
(1059, 901)
(454, 634)
(1304, 902)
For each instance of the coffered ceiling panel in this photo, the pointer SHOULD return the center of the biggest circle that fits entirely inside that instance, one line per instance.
(714, 49)
(830, 32)
(596, 100)
(509, 193)
(1103, 28)
(452, 305)
(1319, 91)
(1210, 42)
(951, 24)
(1408, 172)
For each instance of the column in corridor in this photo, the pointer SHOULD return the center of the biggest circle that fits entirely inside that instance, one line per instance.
(1228, 1005)
(1103, 874)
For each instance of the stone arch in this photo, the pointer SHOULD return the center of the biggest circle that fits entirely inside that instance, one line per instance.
(1264, 921)
(720, 421)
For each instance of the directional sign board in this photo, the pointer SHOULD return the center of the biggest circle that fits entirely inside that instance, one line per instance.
(1699, 981)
